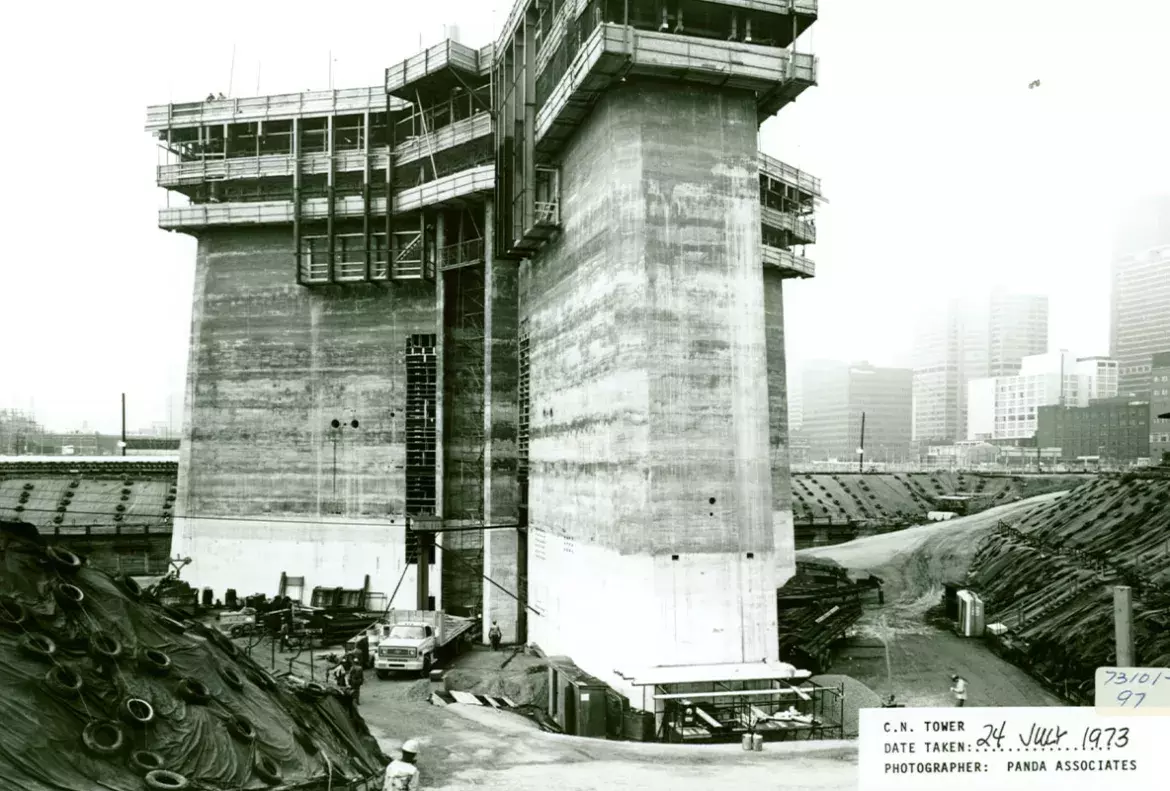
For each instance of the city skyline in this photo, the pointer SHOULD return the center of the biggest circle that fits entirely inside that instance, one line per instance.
(135, 342)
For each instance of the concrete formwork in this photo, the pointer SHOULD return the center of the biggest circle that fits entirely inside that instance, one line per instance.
(271, 364)
(650, 499)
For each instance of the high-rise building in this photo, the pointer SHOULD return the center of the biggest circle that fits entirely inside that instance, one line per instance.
(535, 287)
(1159, 405)
(1140, 298)
(950, 349)
(838, 395)
(1017, 328)
(970, 339)
(1004, 408)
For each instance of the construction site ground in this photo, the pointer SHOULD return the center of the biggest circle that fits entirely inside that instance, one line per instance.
(477, 747)
(914, 565)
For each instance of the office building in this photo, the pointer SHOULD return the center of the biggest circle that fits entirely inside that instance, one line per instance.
(970, 339)
(1004, 408)
(1140, 298)
(1159, 405)
(838, 395)
(1017, 328)
(1112, 430)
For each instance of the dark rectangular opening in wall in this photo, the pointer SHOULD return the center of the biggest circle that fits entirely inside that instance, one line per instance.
(421, 445)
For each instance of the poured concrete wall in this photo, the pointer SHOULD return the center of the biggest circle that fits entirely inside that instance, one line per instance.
(649, 390)
(271, 364)
(782, 521)
(501, 412)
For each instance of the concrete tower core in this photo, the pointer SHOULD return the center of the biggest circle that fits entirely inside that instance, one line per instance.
(525, 299)
(650, 489)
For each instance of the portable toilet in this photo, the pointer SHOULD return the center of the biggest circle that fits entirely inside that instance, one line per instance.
(970, 614)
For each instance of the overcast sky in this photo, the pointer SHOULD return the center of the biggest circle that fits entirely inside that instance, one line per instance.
(945, 173)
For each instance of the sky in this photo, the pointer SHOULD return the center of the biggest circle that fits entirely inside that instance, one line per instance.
(945, 174)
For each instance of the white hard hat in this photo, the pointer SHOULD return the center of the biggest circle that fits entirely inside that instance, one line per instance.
(410, 746)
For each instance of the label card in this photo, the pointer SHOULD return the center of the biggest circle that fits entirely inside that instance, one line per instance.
(1029, 749)
(1130, 691)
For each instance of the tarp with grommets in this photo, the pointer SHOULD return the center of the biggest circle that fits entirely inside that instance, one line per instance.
(101, 688)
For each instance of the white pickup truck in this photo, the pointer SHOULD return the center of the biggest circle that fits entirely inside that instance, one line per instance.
(414, 640)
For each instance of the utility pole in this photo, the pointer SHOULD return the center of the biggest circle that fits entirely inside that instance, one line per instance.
(1123, 625)
(122, 444)
(861, 447)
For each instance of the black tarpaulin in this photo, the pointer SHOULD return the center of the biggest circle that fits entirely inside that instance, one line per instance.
(102, 688)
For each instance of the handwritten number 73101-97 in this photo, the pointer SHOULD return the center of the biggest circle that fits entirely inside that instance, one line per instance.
(1129, 697)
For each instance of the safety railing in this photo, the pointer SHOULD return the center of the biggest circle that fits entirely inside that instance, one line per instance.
(780, 171)
(445, 55)
(462, 252)
(267, 166)
(266, 108)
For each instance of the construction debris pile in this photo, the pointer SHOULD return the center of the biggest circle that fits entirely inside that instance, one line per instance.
(105, 687)
(816, 608)
(1048, 579)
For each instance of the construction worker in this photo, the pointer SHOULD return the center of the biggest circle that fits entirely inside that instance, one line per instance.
(355, 678)
(959, 688)
(402, 774)
(494, 636)
(341, 673)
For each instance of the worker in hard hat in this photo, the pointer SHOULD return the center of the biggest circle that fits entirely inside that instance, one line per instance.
(402, 774)
(494, 636)
(959, 689)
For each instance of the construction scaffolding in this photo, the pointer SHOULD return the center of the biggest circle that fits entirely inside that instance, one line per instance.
(421, 441)
(522, 430)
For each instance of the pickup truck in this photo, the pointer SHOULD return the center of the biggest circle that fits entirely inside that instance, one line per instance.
(414, 640)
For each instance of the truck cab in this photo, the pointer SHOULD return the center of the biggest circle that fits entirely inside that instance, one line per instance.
(405, 647)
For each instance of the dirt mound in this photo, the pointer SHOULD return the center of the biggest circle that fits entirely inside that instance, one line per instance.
(103, 685)
(857, 696)
(522, 686)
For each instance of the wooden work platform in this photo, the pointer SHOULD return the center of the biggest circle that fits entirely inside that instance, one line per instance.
(789, 264)
(452, 190)
(269, 108)
(805, 184)
(441, 67)
(802, 230)
(615, 51)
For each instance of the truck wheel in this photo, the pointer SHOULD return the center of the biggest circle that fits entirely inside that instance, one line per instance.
(383, 674)
(426, 668)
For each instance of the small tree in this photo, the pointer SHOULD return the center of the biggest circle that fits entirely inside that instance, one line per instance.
(1166, 458)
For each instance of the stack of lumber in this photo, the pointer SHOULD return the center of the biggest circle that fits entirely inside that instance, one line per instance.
(1049, 577)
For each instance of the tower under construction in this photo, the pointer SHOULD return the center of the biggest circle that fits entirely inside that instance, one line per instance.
(525, 299)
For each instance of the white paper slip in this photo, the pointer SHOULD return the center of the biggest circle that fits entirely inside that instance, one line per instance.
(1129, 691)
(1011, 749)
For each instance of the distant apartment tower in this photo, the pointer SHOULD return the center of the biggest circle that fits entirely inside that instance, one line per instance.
(1140, 299)
(1159, 405)
(1005, 408)
(837, 395)
(1017, 328)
